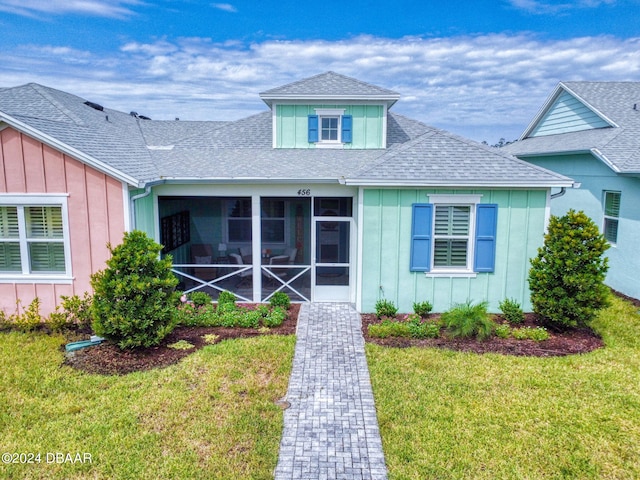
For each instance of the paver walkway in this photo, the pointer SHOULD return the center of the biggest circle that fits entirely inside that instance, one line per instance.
(330, 430)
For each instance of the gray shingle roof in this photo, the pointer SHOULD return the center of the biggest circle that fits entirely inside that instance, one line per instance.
(155, 151)
(327, 86)
(618, 146)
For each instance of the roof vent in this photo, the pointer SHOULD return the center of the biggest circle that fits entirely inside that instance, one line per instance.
(95, 106)
(141, 117)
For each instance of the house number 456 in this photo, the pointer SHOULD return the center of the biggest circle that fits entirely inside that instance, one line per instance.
(304, 192)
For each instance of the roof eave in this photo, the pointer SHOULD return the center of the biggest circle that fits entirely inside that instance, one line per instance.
(69, 150)
(593, 151)
(457, 184)
(390, 100)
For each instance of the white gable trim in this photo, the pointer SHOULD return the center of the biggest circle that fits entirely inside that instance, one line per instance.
(68, 150)
(551, 100)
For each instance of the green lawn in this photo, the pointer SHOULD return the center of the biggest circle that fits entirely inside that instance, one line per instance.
(451, 415)
(210, 416)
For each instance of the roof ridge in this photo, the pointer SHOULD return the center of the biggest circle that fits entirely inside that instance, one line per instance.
(43, 91)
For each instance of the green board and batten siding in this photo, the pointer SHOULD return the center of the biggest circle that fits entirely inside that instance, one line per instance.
(387, 244)
(292, 125)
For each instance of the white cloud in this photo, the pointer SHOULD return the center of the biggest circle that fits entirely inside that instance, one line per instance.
(484, 87)
(225, 7)
(539, 7)
(97, 8)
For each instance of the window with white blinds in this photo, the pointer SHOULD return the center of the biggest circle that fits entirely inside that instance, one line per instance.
(451, 235)
(32, 239)
(611, 215)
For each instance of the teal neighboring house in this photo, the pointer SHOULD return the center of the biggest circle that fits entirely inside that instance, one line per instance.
(590, 131)
(327, 195)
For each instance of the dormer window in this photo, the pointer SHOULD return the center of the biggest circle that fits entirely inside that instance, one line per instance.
(329, 127)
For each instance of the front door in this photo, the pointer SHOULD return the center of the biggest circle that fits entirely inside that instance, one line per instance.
(332, 266)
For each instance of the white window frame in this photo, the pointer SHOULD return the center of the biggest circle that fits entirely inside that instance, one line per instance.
(38, 200)
(228, 218)
(610, 217)
(329, 113)
(447, 200)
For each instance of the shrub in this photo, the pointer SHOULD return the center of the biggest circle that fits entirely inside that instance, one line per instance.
(57, 320)
(275, 317)
(511, 311)
(226, 297)
(422, 308)
(389, 328)
(503, 330)
(468, 320)
(537, 334)
(29, 319)
(423, 330)
(385, 308)
(200, 299)
(134, 302)
(566, 278)
(249, 319)
(280, 299)
(78, 310)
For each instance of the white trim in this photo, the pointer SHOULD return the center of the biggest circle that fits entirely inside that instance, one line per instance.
(30, 200)
(126, 202)
(274, 127)
(452, 274)
(256, 246)
(330, 112)
(359, 182)
(385, 113)
(453, 199)
(359, 270)
(468, 200)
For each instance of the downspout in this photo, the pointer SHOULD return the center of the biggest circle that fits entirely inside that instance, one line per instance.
(562, 191)
(147, 191)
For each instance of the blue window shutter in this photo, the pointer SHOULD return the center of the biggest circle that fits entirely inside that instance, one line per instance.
(421, 237)
(347, 128)
(486, 228)
(313, 128)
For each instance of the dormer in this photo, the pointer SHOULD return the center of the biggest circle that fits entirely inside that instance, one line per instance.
(329, 111)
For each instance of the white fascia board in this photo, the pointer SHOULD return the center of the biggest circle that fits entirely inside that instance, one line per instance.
(64, 148)
(594, 109)
(388, 99)
(423, 184)
(542, 112)
(256, 180)
(603, 158)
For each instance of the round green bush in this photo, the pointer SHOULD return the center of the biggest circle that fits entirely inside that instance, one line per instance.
(280, 299)
(135, 298)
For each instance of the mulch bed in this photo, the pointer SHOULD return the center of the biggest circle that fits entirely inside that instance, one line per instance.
(109, 359)
(568, 342)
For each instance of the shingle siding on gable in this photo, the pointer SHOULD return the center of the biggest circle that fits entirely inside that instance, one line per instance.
(292, 125)
(567, 114)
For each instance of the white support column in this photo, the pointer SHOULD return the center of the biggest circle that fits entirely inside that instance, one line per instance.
(256, 247)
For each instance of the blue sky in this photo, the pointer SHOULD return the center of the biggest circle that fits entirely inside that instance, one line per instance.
(480, 69)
